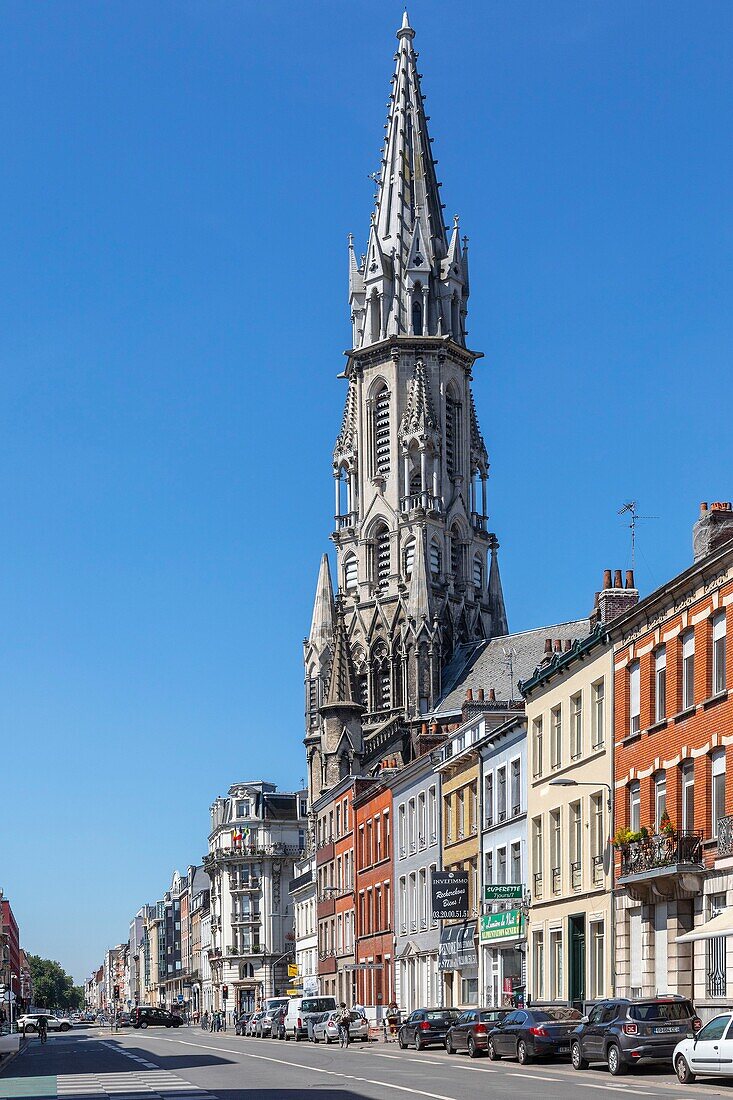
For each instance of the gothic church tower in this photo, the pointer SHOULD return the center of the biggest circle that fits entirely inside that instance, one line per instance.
(417, 570)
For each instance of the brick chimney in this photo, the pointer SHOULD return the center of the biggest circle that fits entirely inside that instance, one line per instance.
(615, 598)
(713, 528)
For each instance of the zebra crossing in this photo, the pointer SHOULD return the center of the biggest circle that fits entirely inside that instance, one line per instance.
(147, 1083)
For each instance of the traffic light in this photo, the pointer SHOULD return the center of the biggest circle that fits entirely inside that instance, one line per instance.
(116, 992)
(225, 991)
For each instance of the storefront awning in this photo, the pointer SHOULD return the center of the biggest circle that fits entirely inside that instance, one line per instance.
(722, 925)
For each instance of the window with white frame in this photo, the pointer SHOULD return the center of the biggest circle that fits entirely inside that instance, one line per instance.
(537, 855)
(576, 726)
(488, 868)
(715, 954)
(634, 697)
(660, 798)
(421, 820)
(501, 794)
(537, 747)
(402, 889)
(635, 806)
(688, 796)
(556, 959)
(411, 823)
(719, 676)
(433, 814)
(576, 844)
(412, 887)
(501, 866)
(423, 892)
(556, 738)
(660, 684)
(516, 787)
(597, 960)
(688, 670)
(401, 830)
(516, 862)
(598, 839)
(489, 800)
(555, 850)
(598, 731)
(461, 813)
(718, 793)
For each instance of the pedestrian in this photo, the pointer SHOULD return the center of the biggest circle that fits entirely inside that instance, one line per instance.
(343, 1020)
(205, 1021)
(393, 1018)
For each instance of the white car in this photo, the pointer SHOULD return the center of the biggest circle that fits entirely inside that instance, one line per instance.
(709, 1054)
(327, 1029)
(29, 1022)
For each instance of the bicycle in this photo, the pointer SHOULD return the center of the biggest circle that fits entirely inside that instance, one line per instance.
(42, 1034)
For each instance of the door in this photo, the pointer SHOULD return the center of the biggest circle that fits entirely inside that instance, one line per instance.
(591, 1038)
(465, 1022)
(705, 1056)
(576, 986)
(521, 1023)
(503, 1040)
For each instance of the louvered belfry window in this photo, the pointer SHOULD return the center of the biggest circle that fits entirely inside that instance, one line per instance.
(381, 549)
(452, 436)
(381, 433)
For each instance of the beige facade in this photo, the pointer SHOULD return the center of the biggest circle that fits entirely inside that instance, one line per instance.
(570, 777)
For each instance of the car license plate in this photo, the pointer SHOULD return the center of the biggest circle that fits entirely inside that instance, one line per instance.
(563, 1049)
(666, 1030)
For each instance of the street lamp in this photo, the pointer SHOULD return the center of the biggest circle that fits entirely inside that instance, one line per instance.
(560, 781)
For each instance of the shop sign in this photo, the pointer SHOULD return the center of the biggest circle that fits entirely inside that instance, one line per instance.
(457, 950)
(449, 890)
(500, 926)
(510, 891)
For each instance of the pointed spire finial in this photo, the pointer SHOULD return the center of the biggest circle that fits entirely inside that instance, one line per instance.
(405, 29)
(322, 624)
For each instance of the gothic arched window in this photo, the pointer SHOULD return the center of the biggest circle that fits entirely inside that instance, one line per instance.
(436, 561)
(374, 318)
(452, 434)
(455, 317)
(417, 317)
(351, 573)
(382, 563)
(478, 571)
(381, 440)
(409, 557)
(382, 679)
(456, 553)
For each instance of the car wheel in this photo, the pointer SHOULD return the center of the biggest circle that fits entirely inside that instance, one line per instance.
(401, 1041)
(493, 1055)
(685, 1076)
(143, 1023)
(522, 1053)
(471, 1047)
(169, 1024)
(30, 1028)
(449, 1045)
(418, 1042)
(65, 1027)
(616, 1067)
(576, 1057)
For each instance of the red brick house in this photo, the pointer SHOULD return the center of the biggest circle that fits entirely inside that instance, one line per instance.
(375, 942)
(673, 735)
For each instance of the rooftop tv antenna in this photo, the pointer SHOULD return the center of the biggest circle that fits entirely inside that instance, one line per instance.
(631, 508)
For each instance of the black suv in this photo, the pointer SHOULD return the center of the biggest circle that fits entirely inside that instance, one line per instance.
(154, 1017)
(624, 1033)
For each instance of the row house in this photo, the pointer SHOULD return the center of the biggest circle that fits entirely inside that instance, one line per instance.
(333, 813)
(303, 895)
(416, 854)
(257, 834)
(673, 734)
(200, 912)
(569, 711)
(373, 885)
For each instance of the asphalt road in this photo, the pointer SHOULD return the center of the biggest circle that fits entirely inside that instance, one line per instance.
(189, 1064)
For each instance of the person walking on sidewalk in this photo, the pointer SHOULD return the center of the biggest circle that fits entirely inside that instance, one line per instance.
(343, 1020)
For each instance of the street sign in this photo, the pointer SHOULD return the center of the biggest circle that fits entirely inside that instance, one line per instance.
(500, 926)
(449, 891)
(292, 992)
(363, 966)
(292, 970)
(505, 892)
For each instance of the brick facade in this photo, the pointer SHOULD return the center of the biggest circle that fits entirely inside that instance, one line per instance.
(373, 865)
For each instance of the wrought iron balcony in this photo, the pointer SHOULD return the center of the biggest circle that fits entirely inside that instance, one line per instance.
(670, 864)
(725, 836)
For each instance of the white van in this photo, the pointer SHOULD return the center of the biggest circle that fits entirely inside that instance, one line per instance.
(299, 1009)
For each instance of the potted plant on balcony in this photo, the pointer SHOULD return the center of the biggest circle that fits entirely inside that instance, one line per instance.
(666, 827)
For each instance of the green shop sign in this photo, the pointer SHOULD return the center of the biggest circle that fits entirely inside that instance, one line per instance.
(501, 926)
(510, 891)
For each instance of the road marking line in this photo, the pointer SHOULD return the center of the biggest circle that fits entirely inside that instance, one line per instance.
(534, 1076)
(313, 1069)
(614, 1088)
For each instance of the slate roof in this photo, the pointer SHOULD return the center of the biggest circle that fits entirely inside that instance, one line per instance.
(486, 664)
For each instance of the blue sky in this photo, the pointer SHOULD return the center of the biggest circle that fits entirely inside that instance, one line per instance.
(177, 187)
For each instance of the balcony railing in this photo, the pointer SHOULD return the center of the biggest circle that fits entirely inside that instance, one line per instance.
(538, 884)
(345, 523)
(661, 850)
(725, 836)
(424, 501)
(556, 880)
(597, 870)
(576, 875)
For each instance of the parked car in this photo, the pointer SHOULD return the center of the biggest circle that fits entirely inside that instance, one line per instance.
(240, 1024)
(145, 1016)
(29, 1022)
(266, 1023)
(299, 1009)
(471, 1030)
(709, 1053)
(528, 1033)
(426, 1027)
(124, 1019)
(624, 1033)
(326, 1028)
(253, 1021)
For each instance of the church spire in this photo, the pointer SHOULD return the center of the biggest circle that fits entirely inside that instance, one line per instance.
(408, 284)
(418, 598)
(341, 690)
(321, 632)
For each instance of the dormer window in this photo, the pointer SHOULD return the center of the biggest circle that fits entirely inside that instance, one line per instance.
(244, 807)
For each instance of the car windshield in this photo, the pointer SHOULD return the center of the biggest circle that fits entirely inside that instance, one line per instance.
(440, 1017)
(558, 1015)
(316, 1004)
(661, 1010)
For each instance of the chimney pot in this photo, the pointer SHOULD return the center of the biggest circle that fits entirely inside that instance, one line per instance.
(492, 695)
(606, 578)
(703, 507)
(568, 645)
(558, 645)
(434, 726)
(629, 578)
(617, 579)
(469, 695)
(548, 645)
(480, 695)
(424, 727)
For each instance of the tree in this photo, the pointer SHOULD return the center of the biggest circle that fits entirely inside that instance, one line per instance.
(52, 987)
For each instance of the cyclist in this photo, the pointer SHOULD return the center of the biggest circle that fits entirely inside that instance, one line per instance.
(42, 1028)
(343, 1020)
